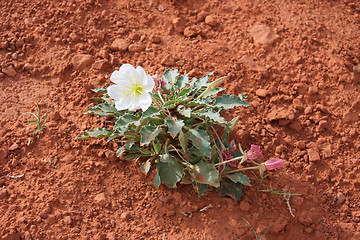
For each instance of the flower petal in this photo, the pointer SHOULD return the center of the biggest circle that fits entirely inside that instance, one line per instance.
(115, 91)
(123, 103)
(145, 101)
(125, 74)
(150, 84)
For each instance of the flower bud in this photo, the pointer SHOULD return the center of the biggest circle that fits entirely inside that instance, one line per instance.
(233, 123)
(274, 163)
(254, 152)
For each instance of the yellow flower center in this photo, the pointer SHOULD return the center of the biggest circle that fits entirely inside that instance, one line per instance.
(137, 89)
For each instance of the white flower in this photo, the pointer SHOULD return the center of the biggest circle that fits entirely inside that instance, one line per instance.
(132, 88)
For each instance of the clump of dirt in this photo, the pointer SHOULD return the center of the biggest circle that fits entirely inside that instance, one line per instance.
(298, 61)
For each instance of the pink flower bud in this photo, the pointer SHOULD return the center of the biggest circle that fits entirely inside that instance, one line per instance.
(254, 152)
(274, 163)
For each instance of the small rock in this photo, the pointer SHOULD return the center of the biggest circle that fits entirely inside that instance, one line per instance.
(3, 154)
(111, 236)
(251, 64)
(280, 113)
(179, 24)
(19, 43)
(28, 67)
(125, 216)
(67, 220)
(263, 35)
(27, 235)
(114, 61)
(340, 198)
(14, 147)
(119, 45)
(309, 230)
(296, 126)
(313, 90)
(169, 60)
(308, 110)
(4, 45)
(3, 193)
(279, 225)
(9, 71)
(20, 220)
(101, 199)
(211, 20)
(314, 155)
(82, 61)
(56, 116)
(201, 17)
(155, 39)
(103, 54)
(262, 92)
(102, 65)
(326, 151)
(161, 8)
(190, 32)
(74, 37)
(350, 117)
(244, 206)
(136, 47)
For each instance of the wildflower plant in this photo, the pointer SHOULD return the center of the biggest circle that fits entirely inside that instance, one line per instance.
(174, 125)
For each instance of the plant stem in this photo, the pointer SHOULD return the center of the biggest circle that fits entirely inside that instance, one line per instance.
(227, 161)
(242, 169)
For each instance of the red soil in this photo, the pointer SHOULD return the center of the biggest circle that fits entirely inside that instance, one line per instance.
(298, 61)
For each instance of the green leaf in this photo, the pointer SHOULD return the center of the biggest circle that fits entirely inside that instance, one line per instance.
(205, 173)
(103, 110)
(230, 189)
(169, 78)
(145, 166)
(125, 121)
(157, 180)
(148, 134)
(213, 92)
(126, 147)
(183, 139)
(131, 157)
(182, 81)
(230, 101)
(95, 133)
(102, 89)
(185, 91)
(201, 140)
(202, 82)
(239, 178)
(186, 112)
(157, 147)
(169, 170)
(150, 112)
(200, 188)
(215, 116)
(174, 126)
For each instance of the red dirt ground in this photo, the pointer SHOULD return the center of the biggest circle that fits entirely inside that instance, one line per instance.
(298, 61)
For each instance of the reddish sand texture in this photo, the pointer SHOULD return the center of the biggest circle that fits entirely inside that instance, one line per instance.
(298, 61)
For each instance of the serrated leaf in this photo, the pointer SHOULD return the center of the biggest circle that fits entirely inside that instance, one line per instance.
(103, 110)
(169, 170)
(126, 147)
(145, 166)
(125, 121)
(205, 173)
(185, 91)
(157, 180)
(102, 89)
(213, 92)
(215, 116)
(150, 112)
(239, 178)
(200, 188)
(201, 140)
(174, 126)
(148, 134)
(186, 112)
(131, 157)
(202, 82)
(182, 81)
(183, 139)
(95, 133)
(230, 101)
(230, 189)
(169, 77)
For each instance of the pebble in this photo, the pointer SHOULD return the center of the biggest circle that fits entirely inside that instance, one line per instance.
(244, 206)
(67, 220)
(155, 39)
(82, 61)
(3, 153)
(313, 90)
(179, 24)
(56, 116)
(340, 198)
(119, 45)
(296, 126)
(19, 43)
(262, 92)
(9, 71)
(101, 199)
(103, 54)
(169, 60)
(263, 35)
(28, 67)
(211, 20)
(136, 47)
(14, 147)
(111, 236)
(125, 216)
(102, 65)
(314, 155)
(161, 8)
(279, 225)
(350, 117)
(3, 193)
(200, 17)
(309, 230)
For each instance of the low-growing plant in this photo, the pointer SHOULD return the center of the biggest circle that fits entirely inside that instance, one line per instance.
(39, 122)
(174, 125)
